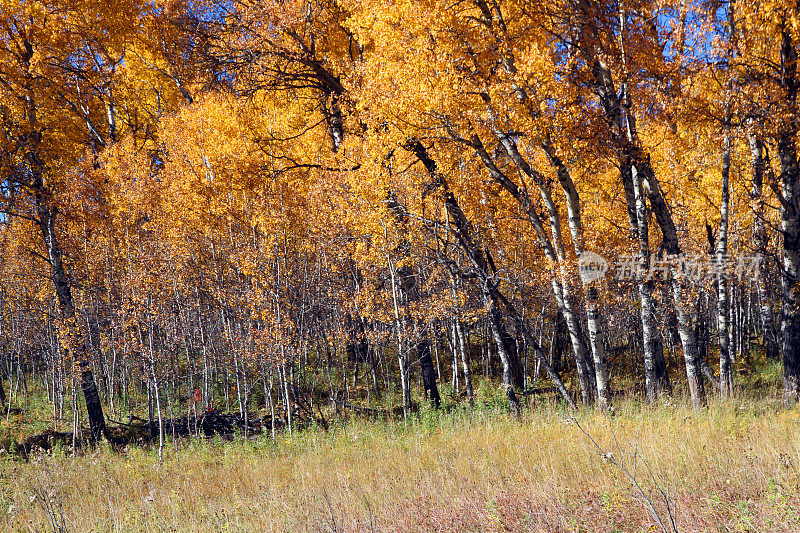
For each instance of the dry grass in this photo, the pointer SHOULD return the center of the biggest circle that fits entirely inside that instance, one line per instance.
(733, 467)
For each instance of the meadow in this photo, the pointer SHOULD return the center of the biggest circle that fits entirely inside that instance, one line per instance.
(731, 467)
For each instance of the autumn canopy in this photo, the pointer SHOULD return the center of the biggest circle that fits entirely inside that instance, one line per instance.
(286, 202)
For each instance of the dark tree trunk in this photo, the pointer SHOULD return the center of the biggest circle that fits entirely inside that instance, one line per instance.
(761, 239)
(428, 372)
(77, 341)
(790, 214)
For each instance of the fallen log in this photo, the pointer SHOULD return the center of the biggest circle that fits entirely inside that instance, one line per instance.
(538, 390)
(46, 441)
(208, 424)
(369, 412)
(141, 431)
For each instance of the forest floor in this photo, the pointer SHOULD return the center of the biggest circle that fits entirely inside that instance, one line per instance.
(731, 467)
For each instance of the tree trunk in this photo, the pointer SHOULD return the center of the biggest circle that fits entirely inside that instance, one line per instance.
(512, 375)
(725, 370)
(689, 341)
(629, 152)
(468, 240)
(790, 214)
(761, 240)
(651, 338)
(462, 348)
(553, 249)
(73, 330)
(593, 313)
(402, 355)
(428, 372)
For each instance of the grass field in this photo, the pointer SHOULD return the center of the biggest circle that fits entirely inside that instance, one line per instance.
(733, 467)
